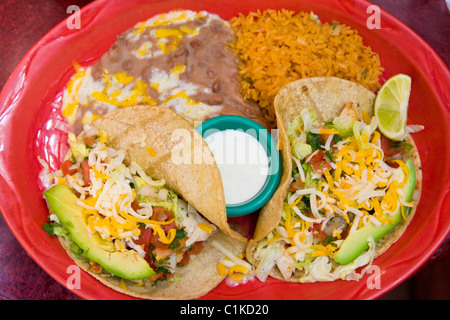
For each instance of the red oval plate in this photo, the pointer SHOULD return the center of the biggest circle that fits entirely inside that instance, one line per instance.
(29, 106)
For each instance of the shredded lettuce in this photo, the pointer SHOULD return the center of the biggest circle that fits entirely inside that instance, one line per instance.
(297, 133)
(139, 182)
(360, 129)
(308, 170)
(166, 204)
(271, 254)
(295, 126)
(301, 264)
(173, 196)
(230, 255)
(55, 229)
(343, 125)
(297, 138)
(370, 128)
(171, 205)
(301, 150)
(309, 119)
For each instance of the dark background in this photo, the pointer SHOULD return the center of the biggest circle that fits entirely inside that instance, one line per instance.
(24, 22)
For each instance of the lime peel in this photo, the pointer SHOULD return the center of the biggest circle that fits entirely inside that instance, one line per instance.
(391, 106)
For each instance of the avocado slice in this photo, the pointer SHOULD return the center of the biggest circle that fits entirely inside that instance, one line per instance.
(128, 264)
(356, 243)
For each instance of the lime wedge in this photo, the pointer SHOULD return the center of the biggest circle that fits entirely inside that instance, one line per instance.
(391, 106)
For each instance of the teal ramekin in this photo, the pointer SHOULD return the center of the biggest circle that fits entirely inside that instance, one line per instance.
(253, 128)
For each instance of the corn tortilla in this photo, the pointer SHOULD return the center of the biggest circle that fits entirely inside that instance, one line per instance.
(328, 96)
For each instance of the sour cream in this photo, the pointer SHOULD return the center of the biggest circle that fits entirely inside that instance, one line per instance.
(243, 164)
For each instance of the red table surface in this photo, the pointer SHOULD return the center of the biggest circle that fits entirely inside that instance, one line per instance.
(24, 22)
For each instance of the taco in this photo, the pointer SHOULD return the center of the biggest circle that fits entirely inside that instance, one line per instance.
(134, 223)
(347, 192)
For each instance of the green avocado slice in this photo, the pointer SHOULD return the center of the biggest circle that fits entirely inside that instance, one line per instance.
(356, 243)
(128, 265)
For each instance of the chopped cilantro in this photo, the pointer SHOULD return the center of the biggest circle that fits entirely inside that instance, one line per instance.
(314, 141)
(337, 138)
(397, 144)
(180, 234)
(329, 155)
(49, 228)
(163, 270)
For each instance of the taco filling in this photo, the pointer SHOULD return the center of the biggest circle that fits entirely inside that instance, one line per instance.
(347, 180)
(127, 210)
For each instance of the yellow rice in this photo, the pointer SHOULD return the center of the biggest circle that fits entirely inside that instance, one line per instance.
(277, 47)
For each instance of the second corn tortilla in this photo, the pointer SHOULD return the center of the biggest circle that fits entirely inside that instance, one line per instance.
(157, 139)
(328, 97)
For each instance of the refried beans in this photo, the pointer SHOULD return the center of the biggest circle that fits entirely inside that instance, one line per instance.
(179, 59)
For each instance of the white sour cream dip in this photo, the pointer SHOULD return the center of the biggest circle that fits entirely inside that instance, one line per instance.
(242, 162)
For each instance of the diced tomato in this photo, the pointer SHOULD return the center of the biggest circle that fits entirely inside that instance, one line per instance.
(344, 234)
(159, 214)
(65, 168)
(148, 236)
(168, 275)
(89, 141)
(135, 205)
(144, 238)
(169, 226)
(95, 267)
(162, 253)
(185, 260)
(169, 215)
(161, 275)
(85, 170)
(296, 185)
(154, 241)
(196, 248)
(156, 276)
(318, 162)
(389, 147)
(317, 233)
